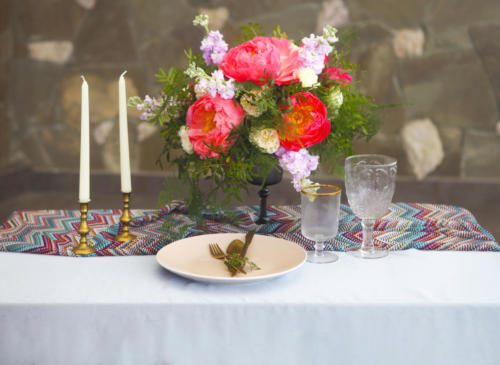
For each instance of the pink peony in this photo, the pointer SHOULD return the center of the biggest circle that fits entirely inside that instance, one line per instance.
(337, 74)
(210, 120)
(261, 57)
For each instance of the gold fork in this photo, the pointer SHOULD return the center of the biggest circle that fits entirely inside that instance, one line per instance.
(216, 251)
(218, 254)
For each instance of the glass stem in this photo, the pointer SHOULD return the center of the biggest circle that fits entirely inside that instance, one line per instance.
(318, 248)
(367, 224)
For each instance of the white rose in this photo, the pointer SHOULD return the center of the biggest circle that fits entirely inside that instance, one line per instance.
(335, 99)
(265, 138)
(186, 143)
(307, 77)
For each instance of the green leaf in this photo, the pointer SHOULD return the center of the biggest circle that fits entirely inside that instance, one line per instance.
(250, 31)
(278, 33)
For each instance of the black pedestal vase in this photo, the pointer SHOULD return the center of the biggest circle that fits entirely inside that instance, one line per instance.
(272, 178)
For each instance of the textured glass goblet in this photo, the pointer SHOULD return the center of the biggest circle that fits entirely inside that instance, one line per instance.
(370, 182)
(320, 206)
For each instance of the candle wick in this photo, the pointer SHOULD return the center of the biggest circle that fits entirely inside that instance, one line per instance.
(124, 72)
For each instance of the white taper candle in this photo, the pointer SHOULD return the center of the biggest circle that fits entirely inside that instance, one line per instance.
(84, 193)
(124, 150)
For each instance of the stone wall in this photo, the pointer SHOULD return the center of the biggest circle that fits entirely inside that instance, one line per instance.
(439, 59)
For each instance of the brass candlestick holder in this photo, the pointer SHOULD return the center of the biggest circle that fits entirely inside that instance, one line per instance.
(83, 249)
(125, 235)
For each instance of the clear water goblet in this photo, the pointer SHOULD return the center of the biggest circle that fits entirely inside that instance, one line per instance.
(370, 182)
(320, 206)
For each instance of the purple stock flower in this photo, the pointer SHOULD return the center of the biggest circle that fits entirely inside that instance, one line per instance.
(225, 88)
(299, 164)
(214, 85)
(313, 52)
(147, 107)
(213, 47)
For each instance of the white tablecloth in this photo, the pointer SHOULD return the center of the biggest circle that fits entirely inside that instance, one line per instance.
(409, 308)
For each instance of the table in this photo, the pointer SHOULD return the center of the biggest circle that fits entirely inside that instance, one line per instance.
(413, 307)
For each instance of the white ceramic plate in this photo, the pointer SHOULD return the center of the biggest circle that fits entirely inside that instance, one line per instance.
(191, 258)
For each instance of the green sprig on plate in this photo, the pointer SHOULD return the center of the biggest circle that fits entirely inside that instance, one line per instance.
(236, 259)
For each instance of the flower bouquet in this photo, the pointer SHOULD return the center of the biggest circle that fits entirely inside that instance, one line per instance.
(266, 102)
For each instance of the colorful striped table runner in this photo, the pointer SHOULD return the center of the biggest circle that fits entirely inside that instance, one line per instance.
(407, 225)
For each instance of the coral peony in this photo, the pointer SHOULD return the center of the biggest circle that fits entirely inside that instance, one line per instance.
(260, 58)
(337, 74)
(306, 124)
(210, 120)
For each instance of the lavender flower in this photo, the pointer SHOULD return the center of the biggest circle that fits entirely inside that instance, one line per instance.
(201, 87)
(299, 164)
(225, 88)
(213, 47)
(148, 106)
(313, 53)
(213, 85)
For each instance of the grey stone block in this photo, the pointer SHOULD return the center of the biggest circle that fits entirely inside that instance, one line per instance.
(481, 156)
(449, 87)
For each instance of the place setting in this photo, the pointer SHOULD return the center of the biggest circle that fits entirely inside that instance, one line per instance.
(213, 258)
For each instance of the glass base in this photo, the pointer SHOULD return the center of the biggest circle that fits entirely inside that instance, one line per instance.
(325, 257)
(375, 253)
